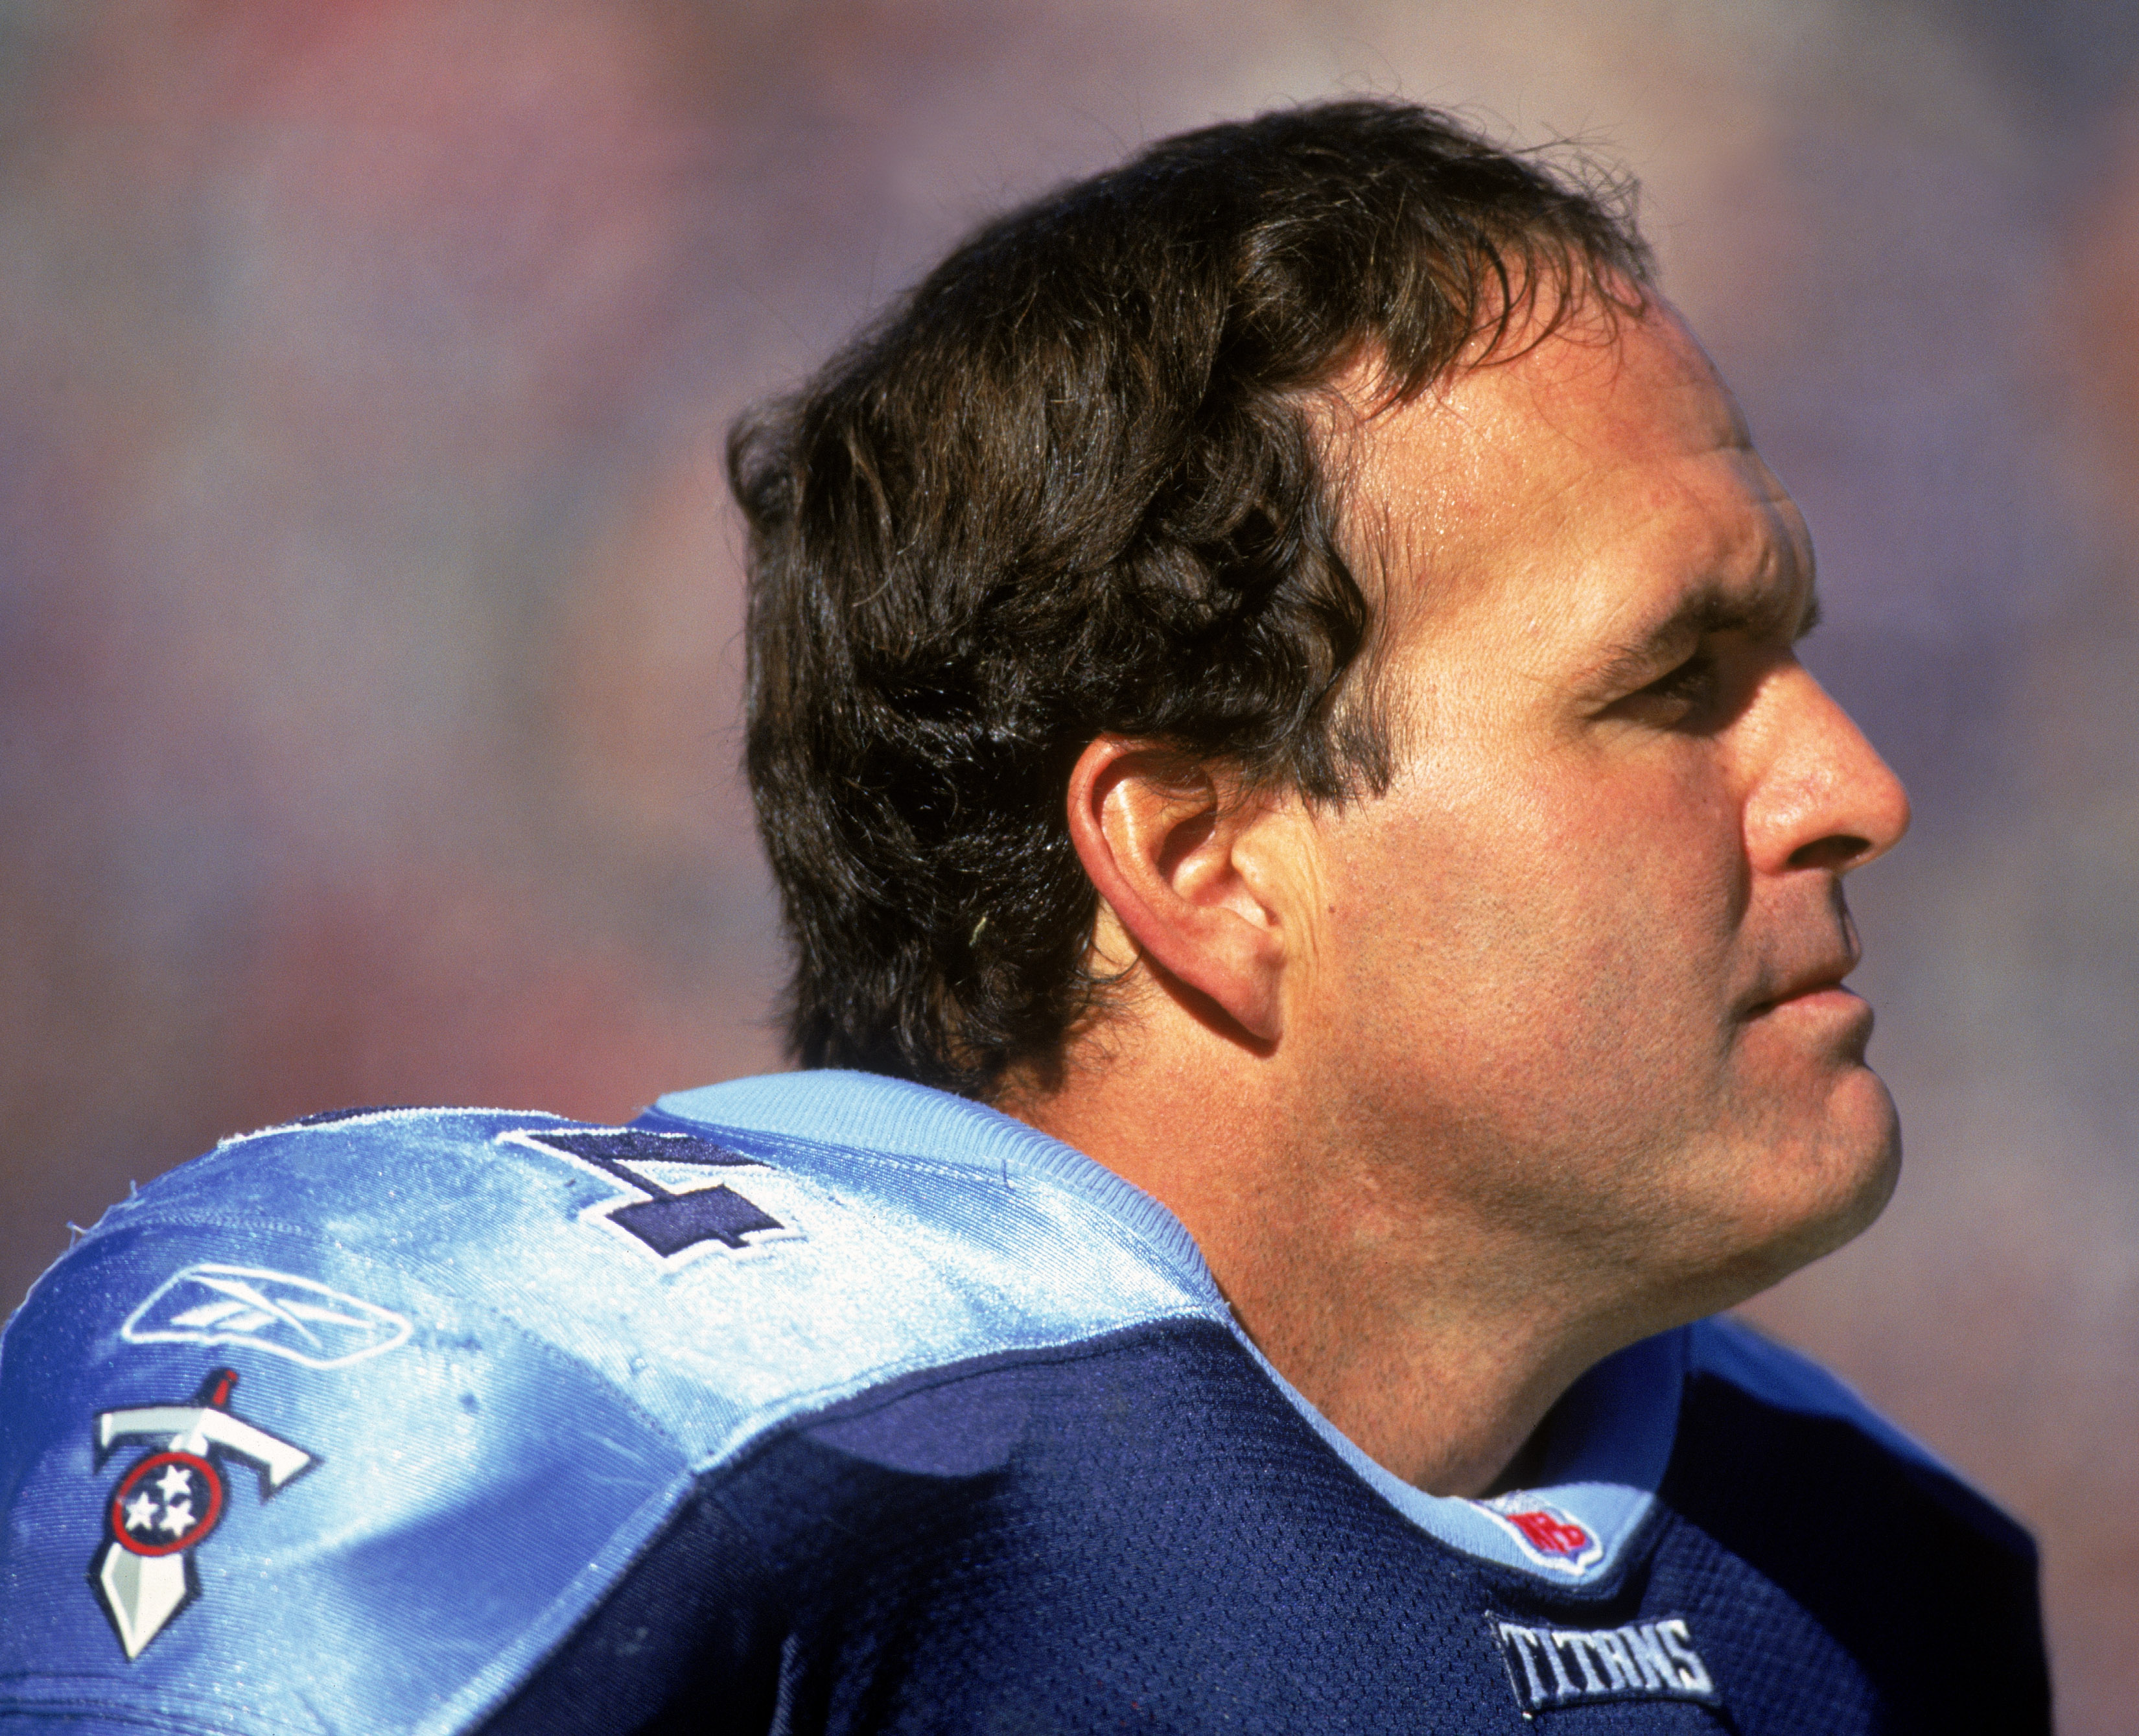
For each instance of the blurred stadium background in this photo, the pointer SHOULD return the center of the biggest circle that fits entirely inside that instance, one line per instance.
(368, 593)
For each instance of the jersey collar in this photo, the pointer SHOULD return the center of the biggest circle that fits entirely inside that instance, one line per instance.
(1611, 1435)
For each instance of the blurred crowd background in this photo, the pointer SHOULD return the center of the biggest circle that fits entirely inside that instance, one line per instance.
(368, 668)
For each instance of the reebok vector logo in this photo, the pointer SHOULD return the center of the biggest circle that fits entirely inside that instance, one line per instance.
(293, 1317)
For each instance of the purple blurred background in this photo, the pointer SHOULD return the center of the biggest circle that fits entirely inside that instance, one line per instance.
(367, 591)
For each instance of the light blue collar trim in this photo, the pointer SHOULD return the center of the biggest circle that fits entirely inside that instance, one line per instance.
(1611, 1440)
(869, 1112)
(1612, 1435)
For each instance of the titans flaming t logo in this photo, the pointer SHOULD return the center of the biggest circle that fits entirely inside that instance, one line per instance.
(169, 1502)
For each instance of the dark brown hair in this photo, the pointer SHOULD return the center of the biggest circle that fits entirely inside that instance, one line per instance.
(1069, 484)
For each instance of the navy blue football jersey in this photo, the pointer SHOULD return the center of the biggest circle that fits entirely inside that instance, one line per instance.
(823, 1402)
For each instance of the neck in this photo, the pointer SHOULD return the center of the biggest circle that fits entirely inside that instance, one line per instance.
(1434, 1339)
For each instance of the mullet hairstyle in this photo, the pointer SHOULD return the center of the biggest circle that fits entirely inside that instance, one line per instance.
(1070, 484)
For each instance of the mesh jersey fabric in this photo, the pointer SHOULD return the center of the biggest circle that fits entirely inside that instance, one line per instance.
(828, 1403)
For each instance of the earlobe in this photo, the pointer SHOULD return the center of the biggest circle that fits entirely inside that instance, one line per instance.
(1178, 863)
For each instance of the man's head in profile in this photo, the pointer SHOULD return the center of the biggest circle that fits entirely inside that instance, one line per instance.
(1317, 879)
(1276, 666)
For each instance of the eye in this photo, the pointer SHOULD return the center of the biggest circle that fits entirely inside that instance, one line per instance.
(1685, 696)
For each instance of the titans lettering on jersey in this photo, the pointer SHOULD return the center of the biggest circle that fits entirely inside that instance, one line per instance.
(826, 1403)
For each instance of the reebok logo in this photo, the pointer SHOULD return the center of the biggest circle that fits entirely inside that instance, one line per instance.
(279, 1312)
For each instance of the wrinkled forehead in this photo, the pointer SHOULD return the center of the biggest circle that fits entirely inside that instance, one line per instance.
(1638, 376)
(1616, 424)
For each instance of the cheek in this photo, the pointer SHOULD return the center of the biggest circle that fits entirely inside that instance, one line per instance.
(1549, 972)
(1558, 895)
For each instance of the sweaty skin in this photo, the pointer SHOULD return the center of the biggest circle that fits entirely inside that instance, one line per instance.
(1463, 1086)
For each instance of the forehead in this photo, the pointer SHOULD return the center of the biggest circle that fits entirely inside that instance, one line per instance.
(1601, 476)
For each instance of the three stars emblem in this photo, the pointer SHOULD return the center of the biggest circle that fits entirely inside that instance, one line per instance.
(169, 1502)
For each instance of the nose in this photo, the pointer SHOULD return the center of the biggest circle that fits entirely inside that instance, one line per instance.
(1822, 797)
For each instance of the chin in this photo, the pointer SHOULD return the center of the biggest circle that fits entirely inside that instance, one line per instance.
(1867, 1137)
(1857, 1172)
(1800, 1199)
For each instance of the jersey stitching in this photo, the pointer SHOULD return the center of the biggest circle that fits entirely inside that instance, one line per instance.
(793, 1145)
(156, 1718)
(371, 1117)
(790, 1409)
(868, 1400)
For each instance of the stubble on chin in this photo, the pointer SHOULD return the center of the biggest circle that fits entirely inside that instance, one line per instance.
(1803, 1187)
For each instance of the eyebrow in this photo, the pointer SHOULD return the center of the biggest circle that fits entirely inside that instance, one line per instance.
(1774, 615)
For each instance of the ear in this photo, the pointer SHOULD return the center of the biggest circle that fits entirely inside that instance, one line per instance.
(1183, 871)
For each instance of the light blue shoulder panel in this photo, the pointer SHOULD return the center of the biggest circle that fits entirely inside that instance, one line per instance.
(464, 1395)
(478, 1359)
(1611, 1436)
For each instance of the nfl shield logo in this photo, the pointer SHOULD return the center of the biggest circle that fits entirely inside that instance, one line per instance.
(1549, 1534)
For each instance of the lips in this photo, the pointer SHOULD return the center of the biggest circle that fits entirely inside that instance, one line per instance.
(1817, 979)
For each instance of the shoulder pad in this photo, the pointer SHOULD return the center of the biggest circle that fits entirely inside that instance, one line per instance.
(444, 1372)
